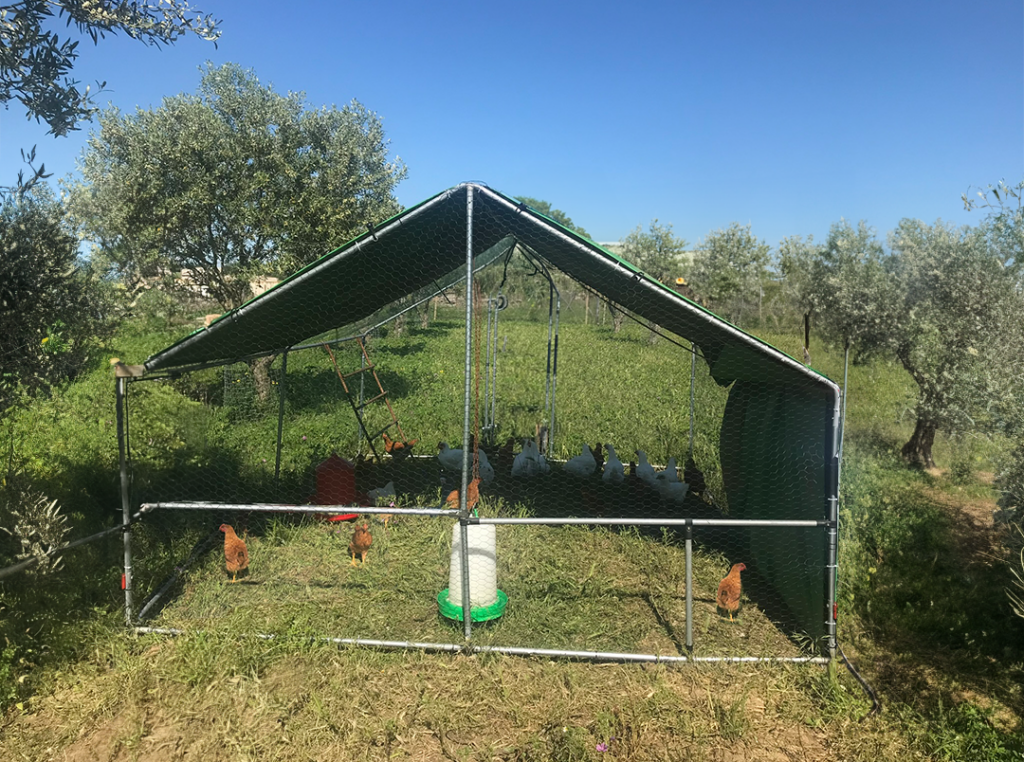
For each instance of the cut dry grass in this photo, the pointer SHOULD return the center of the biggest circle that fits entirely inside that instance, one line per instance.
(228, 699)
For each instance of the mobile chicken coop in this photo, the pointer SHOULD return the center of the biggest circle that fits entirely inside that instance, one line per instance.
(473, 320)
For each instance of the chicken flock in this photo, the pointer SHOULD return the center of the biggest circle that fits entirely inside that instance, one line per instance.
(602, 460)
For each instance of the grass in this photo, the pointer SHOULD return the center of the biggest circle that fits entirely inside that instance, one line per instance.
(573, 588)
(922, 608)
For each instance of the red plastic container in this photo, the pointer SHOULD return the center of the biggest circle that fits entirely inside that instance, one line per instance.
(336, 485)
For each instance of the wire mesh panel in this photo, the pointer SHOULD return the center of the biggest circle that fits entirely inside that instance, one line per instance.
(677, 473)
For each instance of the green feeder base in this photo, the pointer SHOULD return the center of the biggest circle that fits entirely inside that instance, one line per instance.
(476, 614)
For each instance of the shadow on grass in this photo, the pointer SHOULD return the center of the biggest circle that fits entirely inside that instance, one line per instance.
(928, 587)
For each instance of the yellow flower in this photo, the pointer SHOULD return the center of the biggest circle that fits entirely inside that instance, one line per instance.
(45, 339)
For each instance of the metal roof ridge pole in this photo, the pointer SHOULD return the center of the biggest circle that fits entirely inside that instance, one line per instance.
(282, 387)
(467, 625)
(120, 395)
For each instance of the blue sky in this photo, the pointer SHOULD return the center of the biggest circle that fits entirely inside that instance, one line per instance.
(787, 116)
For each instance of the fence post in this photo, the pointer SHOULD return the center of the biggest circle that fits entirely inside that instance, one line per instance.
(282, 393)
(467, 456)
(689, 586)
(121, 395)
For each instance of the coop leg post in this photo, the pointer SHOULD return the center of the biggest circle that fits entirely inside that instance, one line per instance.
(122, 446)
(831, 573)
(693, 380)
(494, 371)
(689, 587)
(832, 524)
(466, 420)
(280, 416)
(554, 377)
(464, 555)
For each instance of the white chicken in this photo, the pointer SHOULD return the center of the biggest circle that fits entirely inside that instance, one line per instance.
(613, 470)
(486, 469)
(671, 472)
(582, 465)
(673, 492)
(644, 469)
(387, 491)
(529, 462)
(451, 460)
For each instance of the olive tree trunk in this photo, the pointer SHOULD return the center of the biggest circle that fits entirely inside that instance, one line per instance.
(918, 451)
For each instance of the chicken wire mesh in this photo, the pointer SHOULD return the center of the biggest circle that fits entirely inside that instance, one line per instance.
(616, 457)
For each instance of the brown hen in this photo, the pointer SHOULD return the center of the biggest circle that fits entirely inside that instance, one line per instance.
(729, 590)
(361, 541)
(472, 496)
(398, 448)
(236, 555)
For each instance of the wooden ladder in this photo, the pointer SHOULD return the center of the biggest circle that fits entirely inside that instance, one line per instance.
(358, 407)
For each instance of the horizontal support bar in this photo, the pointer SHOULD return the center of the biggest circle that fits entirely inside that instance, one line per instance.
(606, 656)
(653, 522)
(279, 508)
(553, 521)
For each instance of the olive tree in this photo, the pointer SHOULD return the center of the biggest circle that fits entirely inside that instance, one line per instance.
(730, 267)
(37, 55)
(941, 301)
(52, 308)
(232, 182)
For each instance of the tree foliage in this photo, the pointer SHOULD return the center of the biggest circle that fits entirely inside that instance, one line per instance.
(230, 183)
(942, 301)
(658, 252)
(51, 307)
(729, 267)
(36, 61)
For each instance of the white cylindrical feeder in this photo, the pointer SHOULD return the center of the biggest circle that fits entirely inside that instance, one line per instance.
(486, 601)
(483, 566)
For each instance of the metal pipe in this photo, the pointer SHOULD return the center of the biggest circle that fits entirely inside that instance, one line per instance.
(487, 371)
(833, 469)
(280, 415)
(494, 370)
(554, 374)
(466, 417)
(689, 587)
(651, 522)
(693, 380)
(361, 427)
(121, 394)
(203, 547)
(605, 656)
(280, 508)
(547, 372)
